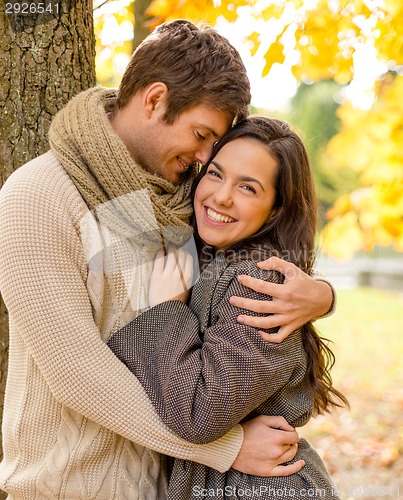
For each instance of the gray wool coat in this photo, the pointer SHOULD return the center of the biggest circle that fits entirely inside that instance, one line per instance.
(205, 372)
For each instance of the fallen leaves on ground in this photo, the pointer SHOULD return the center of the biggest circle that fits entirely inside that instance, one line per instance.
(363, 447)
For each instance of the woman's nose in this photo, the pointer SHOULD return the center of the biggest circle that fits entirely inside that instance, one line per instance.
(223, 195)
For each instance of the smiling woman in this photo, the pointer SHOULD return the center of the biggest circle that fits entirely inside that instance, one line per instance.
(230, 206)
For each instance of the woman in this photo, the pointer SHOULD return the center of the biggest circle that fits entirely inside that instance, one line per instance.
(203, 370)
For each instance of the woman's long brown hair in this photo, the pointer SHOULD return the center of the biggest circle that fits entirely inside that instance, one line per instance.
(288, 233)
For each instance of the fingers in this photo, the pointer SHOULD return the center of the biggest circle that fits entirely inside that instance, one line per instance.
(268, 442)
(188, 270)
(184, 263)
(258, 306)
(279, 296)
(171, 276)
(261, 286)
(278, 422)
(170, 260)
(277, 338)
(275, 263)
(288, 454)
(262, 322)
(158, 264)
(287, 470)
(174, 258)
(286, 439)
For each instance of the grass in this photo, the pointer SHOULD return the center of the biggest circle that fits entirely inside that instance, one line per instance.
(367, 330)
(363, 447)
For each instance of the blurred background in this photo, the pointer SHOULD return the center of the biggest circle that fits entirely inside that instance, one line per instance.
(334, 70)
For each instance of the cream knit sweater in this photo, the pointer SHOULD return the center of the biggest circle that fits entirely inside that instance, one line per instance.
(77, 424)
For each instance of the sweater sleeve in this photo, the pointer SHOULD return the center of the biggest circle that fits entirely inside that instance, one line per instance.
(43, 284)
(318, 276)
(204, 382)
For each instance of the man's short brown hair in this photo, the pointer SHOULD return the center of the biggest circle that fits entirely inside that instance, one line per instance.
(198, 66)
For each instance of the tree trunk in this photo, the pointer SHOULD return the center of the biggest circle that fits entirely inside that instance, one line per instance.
(141, 20)
(45, 59)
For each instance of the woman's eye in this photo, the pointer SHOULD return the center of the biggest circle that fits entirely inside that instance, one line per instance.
(248, 188)
(213, 173)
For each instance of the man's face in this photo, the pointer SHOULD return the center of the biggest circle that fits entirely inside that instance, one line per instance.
(169, 149)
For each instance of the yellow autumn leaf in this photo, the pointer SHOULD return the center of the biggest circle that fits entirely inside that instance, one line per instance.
(342, 237)
(394, 226)
(340, 207)
(275, 54)
(254, 42)
(273, 11)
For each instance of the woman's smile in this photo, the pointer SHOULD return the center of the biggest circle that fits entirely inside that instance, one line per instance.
(218, 217)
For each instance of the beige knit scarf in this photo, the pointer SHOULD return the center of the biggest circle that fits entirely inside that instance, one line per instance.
(102, 169)
(137, 212)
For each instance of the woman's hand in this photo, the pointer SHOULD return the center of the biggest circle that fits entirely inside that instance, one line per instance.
(171, 277)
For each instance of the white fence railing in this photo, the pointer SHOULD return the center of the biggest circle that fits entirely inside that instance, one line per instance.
(381, 268)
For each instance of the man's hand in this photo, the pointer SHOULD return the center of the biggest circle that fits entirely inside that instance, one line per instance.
(268, 443)
(295, 302)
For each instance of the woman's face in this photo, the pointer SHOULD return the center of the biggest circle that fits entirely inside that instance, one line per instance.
(236, 195)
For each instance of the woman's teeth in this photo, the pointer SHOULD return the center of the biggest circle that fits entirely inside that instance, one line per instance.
(218, 217)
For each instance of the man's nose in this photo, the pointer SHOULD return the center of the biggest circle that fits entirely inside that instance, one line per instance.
(204, 154)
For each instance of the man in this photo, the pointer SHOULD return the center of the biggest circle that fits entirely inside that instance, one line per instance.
(79, 228)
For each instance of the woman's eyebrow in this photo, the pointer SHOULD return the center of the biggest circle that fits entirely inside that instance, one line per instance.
(244, 178)
(220, 168)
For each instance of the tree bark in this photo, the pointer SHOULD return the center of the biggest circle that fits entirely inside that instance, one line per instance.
(141, 20)
(44, 62)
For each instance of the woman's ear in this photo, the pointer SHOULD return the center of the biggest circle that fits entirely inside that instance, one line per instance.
(273, 212)
(155, 99)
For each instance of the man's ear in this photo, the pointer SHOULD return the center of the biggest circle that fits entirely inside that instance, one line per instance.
(155, 98)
